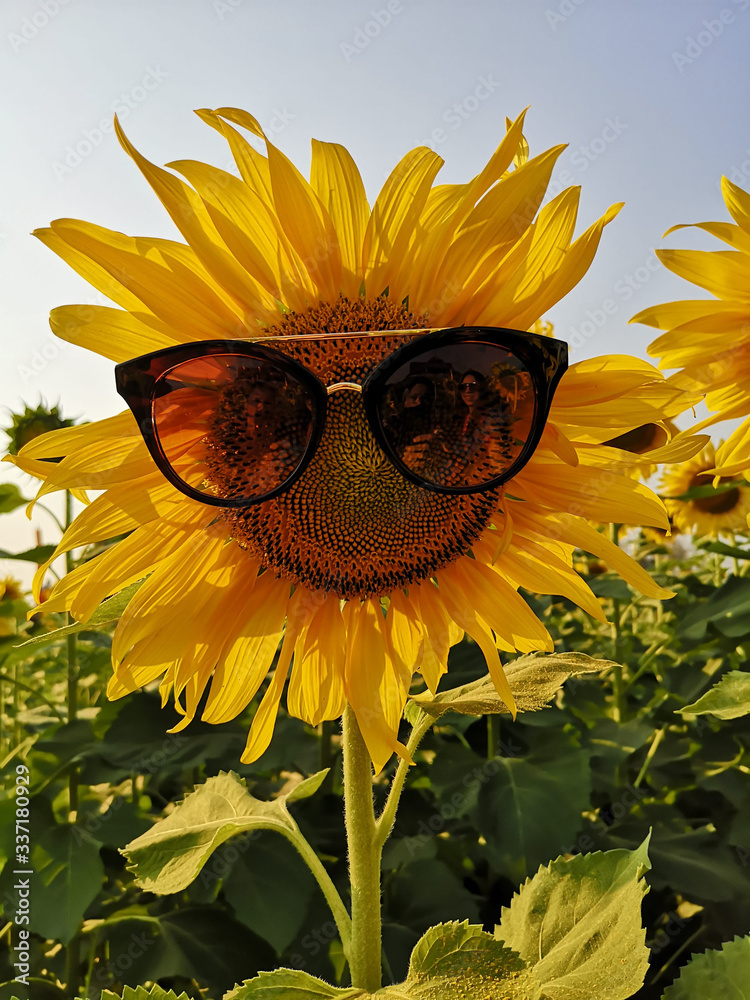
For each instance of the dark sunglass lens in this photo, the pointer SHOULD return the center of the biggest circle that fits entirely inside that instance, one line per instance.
(475, 414)
(230, 426)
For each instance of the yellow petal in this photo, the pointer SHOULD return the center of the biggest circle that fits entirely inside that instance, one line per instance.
(724, 273)
(393, 222)
(337, 182)
(189, 215)
(306, 224)
(460, 607)
(598, 494)
(157, 273)
(250, 229)
(264, 720)
(249, 649)
(111, 333)
(364, 672)
(738, 203)
(576, 531)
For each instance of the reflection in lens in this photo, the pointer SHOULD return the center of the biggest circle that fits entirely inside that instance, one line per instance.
(231, 426)
(473, 416)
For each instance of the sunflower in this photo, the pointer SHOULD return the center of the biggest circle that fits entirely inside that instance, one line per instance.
(356, 587)
(723, 510)
(709, 339)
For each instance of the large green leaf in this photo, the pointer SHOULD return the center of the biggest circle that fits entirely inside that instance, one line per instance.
(108, 612)
(715, 975)
(727, 609)
(289, 984)
(729, 699)
(515, 803)
(270, 888)
(577, 924)
(533, 679)
(168, 857)
(194, 942)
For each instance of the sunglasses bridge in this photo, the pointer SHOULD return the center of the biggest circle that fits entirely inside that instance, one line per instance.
(337, 386)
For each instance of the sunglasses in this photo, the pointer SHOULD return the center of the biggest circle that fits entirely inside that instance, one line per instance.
(235, 422)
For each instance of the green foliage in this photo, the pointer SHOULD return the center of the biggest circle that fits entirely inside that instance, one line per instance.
(533, 679)
(577, 923)
(453, 961)
(514, 803)
(729, 699)
(715, 975)
(38, 554)
(68, 873)
(141, 993)
(10, 498)
(289, 984)
(168, 857)
(108, 612)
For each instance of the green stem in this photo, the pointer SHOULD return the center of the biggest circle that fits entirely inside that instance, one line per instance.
(72, 695)
(33, 690)
(618, 687)
(327, 754)
(72, 966)
(387, 818)
(16, 706)
(617, 678)
(329, 890)
(364, 859)
(658, 737)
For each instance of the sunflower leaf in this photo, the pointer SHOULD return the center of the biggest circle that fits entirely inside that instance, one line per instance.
(533, 679)
(577, 924)
(10, 498)
(288, 984)
(108, 612)
(155, 992)
(37, 555)
(457, 960)
(169, 856)
(715, 975)
(729, 699)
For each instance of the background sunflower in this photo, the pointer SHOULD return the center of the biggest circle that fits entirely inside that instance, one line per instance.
(718, 505)
(709, 339)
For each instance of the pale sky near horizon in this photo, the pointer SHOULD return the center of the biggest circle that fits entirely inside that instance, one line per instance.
(652, 96)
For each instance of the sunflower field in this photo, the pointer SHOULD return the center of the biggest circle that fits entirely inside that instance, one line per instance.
(539, 649)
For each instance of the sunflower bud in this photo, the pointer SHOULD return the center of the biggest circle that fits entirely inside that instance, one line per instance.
(31, 423)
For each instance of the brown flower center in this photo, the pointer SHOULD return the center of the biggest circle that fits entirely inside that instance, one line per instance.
(720, 503)
(352, 524)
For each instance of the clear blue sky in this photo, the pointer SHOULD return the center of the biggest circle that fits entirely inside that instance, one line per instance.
(653, 97)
